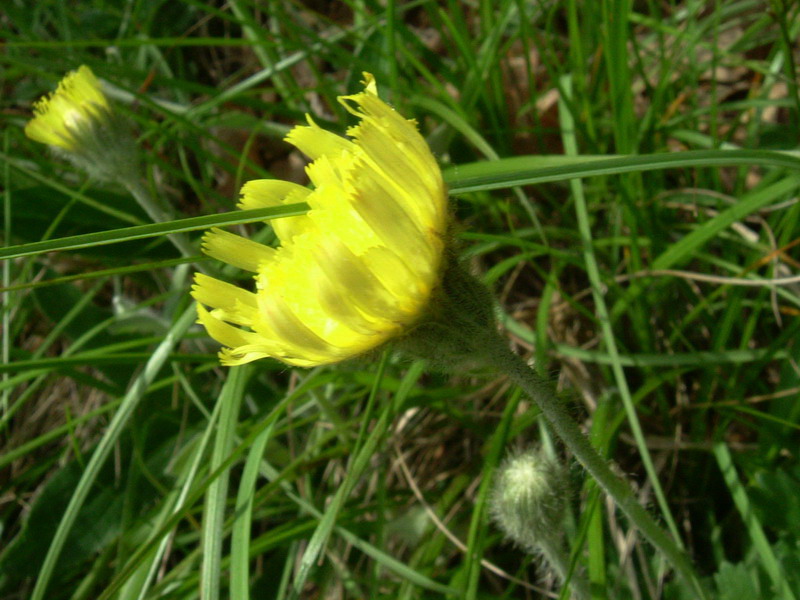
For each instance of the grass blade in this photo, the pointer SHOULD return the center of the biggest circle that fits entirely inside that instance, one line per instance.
(751, 521)
(231, 399)
(137, 232)
(112, 433)
(511, 172)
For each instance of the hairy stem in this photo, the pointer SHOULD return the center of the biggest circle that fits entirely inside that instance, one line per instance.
(553, 552)
(505, 361)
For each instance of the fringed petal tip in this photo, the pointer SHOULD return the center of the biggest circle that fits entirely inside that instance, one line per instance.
(75, 88)
(370, 91)
(370, 86)
(315, 142)
(77, 101)
(231, 357)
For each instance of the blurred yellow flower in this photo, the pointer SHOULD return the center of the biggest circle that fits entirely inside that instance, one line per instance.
(61, 118)
(357, 269)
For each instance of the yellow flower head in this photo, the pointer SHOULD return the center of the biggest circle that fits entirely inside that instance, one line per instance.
(357, 269)
(76, 105)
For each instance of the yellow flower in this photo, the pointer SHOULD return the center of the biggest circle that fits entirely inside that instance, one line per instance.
(77, 104)
(357, 269)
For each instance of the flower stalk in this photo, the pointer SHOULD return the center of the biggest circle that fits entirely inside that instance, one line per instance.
(459, 331)
(507, 362)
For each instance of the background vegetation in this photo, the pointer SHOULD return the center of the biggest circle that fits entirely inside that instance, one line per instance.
(369, 479)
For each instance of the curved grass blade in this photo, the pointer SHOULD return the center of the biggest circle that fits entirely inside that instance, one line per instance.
(240, 536)
(126, 234)
(527, 170)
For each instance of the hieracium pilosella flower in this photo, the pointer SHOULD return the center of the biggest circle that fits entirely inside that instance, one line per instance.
(78, 121)
(355, 271)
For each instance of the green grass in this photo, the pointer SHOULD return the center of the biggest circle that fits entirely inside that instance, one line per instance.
(623, 174)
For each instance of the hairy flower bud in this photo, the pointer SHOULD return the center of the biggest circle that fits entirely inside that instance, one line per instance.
(529, 498)
(527, 503)
(78, 122)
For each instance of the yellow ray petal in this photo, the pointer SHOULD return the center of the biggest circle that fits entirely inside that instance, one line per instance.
(236, 250)
(292, 333)
(345, 281)
(230, 303)
(264, 193)
(388, 215)
(400, 165)
(224, 333)
(314, 142)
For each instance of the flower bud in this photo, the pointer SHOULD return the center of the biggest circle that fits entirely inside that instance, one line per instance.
(78, 121)
(529, 499)
(528, 503)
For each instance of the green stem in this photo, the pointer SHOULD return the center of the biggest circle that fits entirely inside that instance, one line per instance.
(553, 552)
(554, 411)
